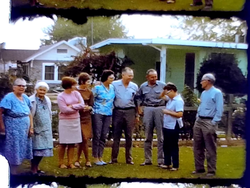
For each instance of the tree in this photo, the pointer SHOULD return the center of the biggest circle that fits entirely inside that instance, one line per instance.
(203, 28)
(95, 63)
(103, 28)
(229, 76)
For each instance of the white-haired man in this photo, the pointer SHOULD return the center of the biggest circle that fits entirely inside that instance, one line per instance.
(124, 114)
(208, 115)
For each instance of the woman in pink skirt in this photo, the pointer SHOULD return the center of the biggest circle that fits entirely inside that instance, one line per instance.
(69, 103)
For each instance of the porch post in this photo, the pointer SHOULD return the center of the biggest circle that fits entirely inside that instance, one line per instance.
(163, 64)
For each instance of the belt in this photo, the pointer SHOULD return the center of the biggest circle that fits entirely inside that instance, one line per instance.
(153, 105)
(205, 117)
(125, 108)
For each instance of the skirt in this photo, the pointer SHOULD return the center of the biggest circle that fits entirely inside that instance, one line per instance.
(69, 131)
(86, 126)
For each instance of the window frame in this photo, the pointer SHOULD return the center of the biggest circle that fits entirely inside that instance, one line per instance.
(55, 80)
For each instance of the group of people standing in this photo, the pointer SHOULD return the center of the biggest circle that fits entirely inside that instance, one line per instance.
(26, 124)
(88, 113)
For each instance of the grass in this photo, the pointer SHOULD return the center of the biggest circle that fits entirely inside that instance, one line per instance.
(151, 5)
(228, 165)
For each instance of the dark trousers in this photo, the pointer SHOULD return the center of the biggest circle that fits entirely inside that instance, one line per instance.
(207, 2)
(205, 145)
(100, 126)
(171, 147)
(123, 120)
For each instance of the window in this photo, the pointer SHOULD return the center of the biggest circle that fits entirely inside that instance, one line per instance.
(52, 72)
(189, 70)
(49, 72)
(158, 69)
(62, 51)
(224, 55)
(60, 72)
(25, 69)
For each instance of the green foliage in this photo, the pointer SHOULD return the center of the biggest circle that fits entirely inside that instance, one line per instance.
(229, 77)
(94, 64)
(55, 121)
(190, 99)
(206, 29)
(103, 28)
(5, 85)
(239, 121)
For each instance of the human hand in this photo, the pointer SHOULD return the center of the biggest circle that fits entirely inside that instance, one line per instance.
(165, 111)
(31, 132)
(2, 129)
(140, 111)
(137, 119)
(70, 106)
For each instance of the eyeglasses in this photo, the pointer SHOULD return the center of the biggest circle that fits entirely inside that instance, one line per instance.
(24, 86)
(111, 77)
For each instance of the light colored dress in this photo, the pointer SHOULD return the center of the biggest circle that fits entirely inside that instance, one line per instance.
(69, 127)
(17, 145)
(42, 139)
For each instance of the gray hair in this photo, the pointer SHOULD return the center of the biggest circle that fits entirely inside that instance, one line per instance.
(127, 69)
(150, 70)
(209, 76)
(41, 84)
(18, 80)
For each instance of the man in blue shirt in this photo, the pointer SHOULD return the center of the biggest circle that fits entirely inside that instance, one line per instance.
(209, 114)
(124, 114)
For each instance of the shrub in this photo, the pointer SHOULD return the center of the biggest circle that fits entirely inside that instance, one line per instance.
(239, 120)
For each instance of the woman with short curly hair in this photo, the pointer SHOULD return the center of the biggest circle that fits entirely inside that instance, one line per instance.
(69, 103)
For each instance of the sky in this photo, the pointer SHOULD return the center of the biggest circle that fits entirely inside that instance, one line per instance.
(25, 34)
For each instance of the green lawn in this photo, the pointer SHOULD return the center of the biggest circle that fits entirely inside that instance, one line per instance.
(231, 162)
(152, 5)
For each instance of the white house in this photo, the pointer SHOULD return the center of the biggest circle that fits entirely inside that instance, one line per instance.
(44, 64)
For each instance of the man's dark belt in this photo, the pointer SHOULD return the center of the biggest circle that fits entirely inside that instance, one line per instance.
(153, 105)
(205, 117)
(126, 108)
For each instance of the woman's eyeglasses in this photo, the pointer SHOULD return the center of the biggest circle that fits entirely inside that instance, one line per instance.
(24, 86)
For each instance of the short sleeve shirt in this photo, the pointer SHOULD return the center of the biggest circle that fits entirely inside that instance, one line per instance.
(103, 99)
(177, 105)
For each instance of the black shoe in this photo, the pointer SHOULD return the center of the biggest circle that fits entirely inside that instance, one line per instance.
(130, 162)
(40, 172)
(196, 4)
(198, 171)
(113, 162)
(144, 164)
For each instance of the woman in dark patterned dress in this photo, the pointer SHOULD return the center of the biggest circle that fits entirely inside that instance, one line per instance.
(42, 139)
(17, 123)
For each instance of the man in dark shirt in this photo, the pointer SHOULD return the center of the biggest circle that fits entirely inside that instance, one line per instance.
(150, 105)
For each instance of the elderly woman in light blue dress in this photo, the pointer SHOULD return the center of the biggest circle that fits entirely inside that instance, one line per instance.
(42, 139)
(16, 123)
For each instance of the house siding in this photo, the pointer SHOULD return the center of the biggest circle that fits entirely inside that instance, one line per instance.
(145, 57)
(176, 67)
(52, 55)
